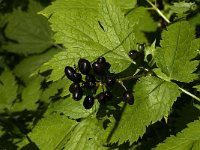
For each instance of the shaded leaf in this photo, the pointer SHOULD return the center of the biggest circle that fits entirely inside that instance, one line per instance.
(144, 23)
(30, 95)
(153, 100)
(86, 135)
(30, 64)
(51, 131)
(30, 31)
(189, 138)
(8, 89)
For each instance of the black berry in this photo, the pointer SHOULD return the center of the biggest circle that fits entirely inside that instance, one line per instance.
(101, 60)
(73, 87)
(141, 47)
(101, 98)
(69, 71)
(149, 57)
(107, 66)
(110, 81)
(128, 97)
(108, 95)
(98, 68)
(77, 94)
(77, 77)
(84, 66)
(90, 77)
(90, 84)
(88, 102)
(133, 54)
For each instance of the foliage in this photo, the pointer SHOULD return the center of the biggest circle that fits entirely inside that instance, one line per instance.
(39, 39)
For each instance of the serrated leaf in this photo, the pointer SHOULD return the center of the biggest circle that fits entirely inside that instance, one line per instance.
(184, 115)
(183, 7)
(144, 23)
(8, 89)
(177, 50)
(189, 138)
(30, 64)
(86, 136)
(154, 98)
(197, 87)
(81, 33)
(51, 131)
(30, 30)
(53, 89)
(30, 95)
(70, 108)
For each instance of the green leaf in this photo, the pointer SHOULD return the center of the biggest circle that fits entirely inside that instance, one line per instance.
(8, 89)
(184, 115)
(177, 50)
(86, 136)
(189, 138)
(144, 23)
(53, 90)
(30, 31)
(127, 4)
(30, 95)
(30, 64)
(70, 108)
(197, 87)
(51, 131)
(80, 32)
(154, 98)
(182, 7)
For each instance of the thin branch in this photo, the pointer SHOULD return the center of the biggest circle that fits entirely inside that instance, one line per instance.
(190, 94)
(158, 11)
(130, 77)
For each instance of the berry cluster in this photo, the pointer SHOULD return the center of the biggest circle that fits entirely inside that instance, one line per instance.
(95, 75)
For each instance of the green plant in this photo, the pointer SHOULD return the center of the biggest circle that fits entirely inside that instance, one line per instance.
(153, 51)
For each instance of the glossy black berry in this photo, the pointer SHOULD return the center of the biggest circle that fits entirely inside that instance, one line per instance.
(141, 47)
(69, 72)
(77, 77)
(128, 97)
(101, 60)
(73, 87)
(108, 95)
(110, 81)
(107, 66)
(98, 68)
(149, 57)
(77, 94)
(88, 102)
(90, 77)
(133, 54)
(90, 84)
(84, 66)
(101, 98)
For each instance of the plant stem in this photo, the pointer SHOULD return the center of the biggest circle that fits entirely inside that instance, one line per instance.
(158, 11)
(122, 84)
(129, 77)
(190, 94)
